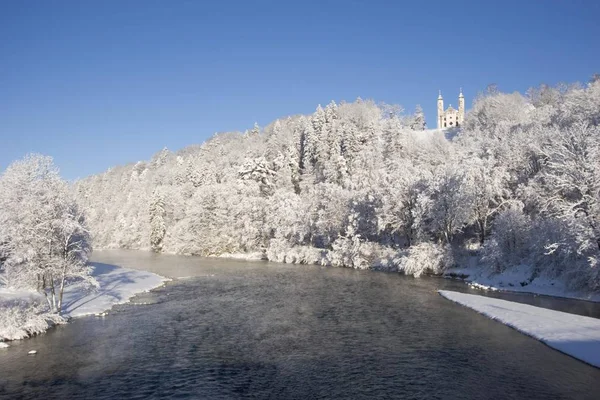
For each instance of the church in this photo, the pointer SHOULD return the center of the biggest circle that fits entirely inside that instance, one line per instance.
(450, 118)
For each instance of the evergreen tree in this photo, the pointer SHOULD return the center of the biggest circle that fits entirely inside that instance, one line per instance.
(157, 221)
(418, 122)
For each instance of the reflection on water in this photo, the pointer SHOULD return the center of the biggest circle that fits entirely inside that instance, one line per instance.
(237, 329)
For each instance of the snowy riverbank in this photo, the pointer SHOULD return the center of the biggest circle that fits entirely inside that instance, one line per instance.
(571, 334)
(514, 279)
(518, 279)
(116, 286)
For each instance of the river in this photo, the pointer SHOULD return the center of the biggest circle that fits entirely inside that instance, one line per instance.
(232, 329)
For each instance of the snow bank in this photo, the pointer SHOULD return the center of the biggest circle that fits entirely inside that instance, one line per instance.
(518, 279)
(571, 334)
(20, 317)
(117, 286)
(257, 255)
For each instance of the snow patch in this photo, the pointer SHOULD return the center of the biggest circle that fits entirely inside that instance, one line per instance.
(476, 285)
(243, 256)
(3, 345)
(571, 334)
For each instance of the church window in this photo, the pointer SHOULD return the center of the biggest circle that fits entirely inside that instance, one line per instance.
(444, 124)
(450, 123)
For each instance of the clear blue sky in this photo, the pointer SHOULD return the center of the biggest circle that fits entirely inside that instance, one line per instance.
(100, 83)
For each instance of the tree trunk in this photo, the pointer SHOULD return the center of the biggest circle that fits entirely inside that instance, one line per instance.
(53, 294)
(43, 288)
(62, 288)
(482, 227)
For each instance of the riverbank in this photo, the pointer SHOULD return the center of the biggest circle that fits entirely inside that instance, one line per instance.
(22, 313)
(518, 280)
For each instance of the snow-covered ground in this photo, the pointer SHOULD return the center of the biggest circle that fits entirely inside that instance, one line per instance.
(117, 285)
(254, 256)
(571, 334)
(517, 279)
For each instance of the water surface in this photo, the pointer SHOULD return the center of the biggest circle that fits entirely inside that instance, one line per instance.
(235, 329)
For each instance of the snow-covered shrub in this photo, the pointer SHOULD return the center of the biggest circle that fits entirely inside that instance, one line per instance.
(352, 252)
(584, 275)
(553, 246)
(19, 320)
(425, 258)
(280, 250)
(508, 243)
(385, 258)
(558, 251)
(305, 255)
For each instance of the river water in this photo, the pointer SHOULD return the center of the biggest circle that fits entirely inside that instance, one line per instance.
(235, 329)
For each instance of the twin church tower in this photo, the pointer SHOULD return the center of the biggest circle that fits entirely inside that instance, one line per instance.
(450, 118)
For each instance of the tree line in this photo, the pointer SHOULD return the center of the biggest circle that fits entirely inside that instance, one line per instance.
(363, 185)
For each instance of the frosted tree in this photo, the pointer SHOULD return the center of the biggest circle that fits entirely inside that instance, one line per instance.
(331, 112)
(349, 249)
(44, 240)
(487, 185)
(450, 204)
(571, 183)
(508, 243)
(318, 119)
(418, 123)
(260, 171)
(400, 201)
(308, 147)
(255, 131)
(157, 221)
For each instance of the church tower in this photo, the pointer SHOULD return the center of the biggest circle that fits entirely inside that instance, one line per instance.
(461, 108)
(450, 118)
(440, 111)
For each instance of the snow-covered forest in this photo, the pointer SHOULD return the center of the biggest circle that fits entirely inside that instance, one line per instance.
(357, 184)
(366, 186)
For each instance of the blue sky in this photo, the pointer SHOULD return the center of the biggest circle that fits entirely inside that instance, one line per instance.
(98, 84)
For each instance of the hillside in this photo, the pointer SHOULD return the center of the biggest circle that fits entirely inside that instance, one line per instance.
(354, 185)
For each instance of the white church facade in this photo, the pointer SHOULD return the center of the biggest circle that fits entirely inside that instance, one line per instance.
(450, 118)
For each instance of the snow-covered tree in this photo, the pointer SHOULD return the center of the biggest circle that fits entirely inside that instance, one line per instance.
(157, 221)
(418, 121)
(449, 204)
(509, 240)
(44, 240)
